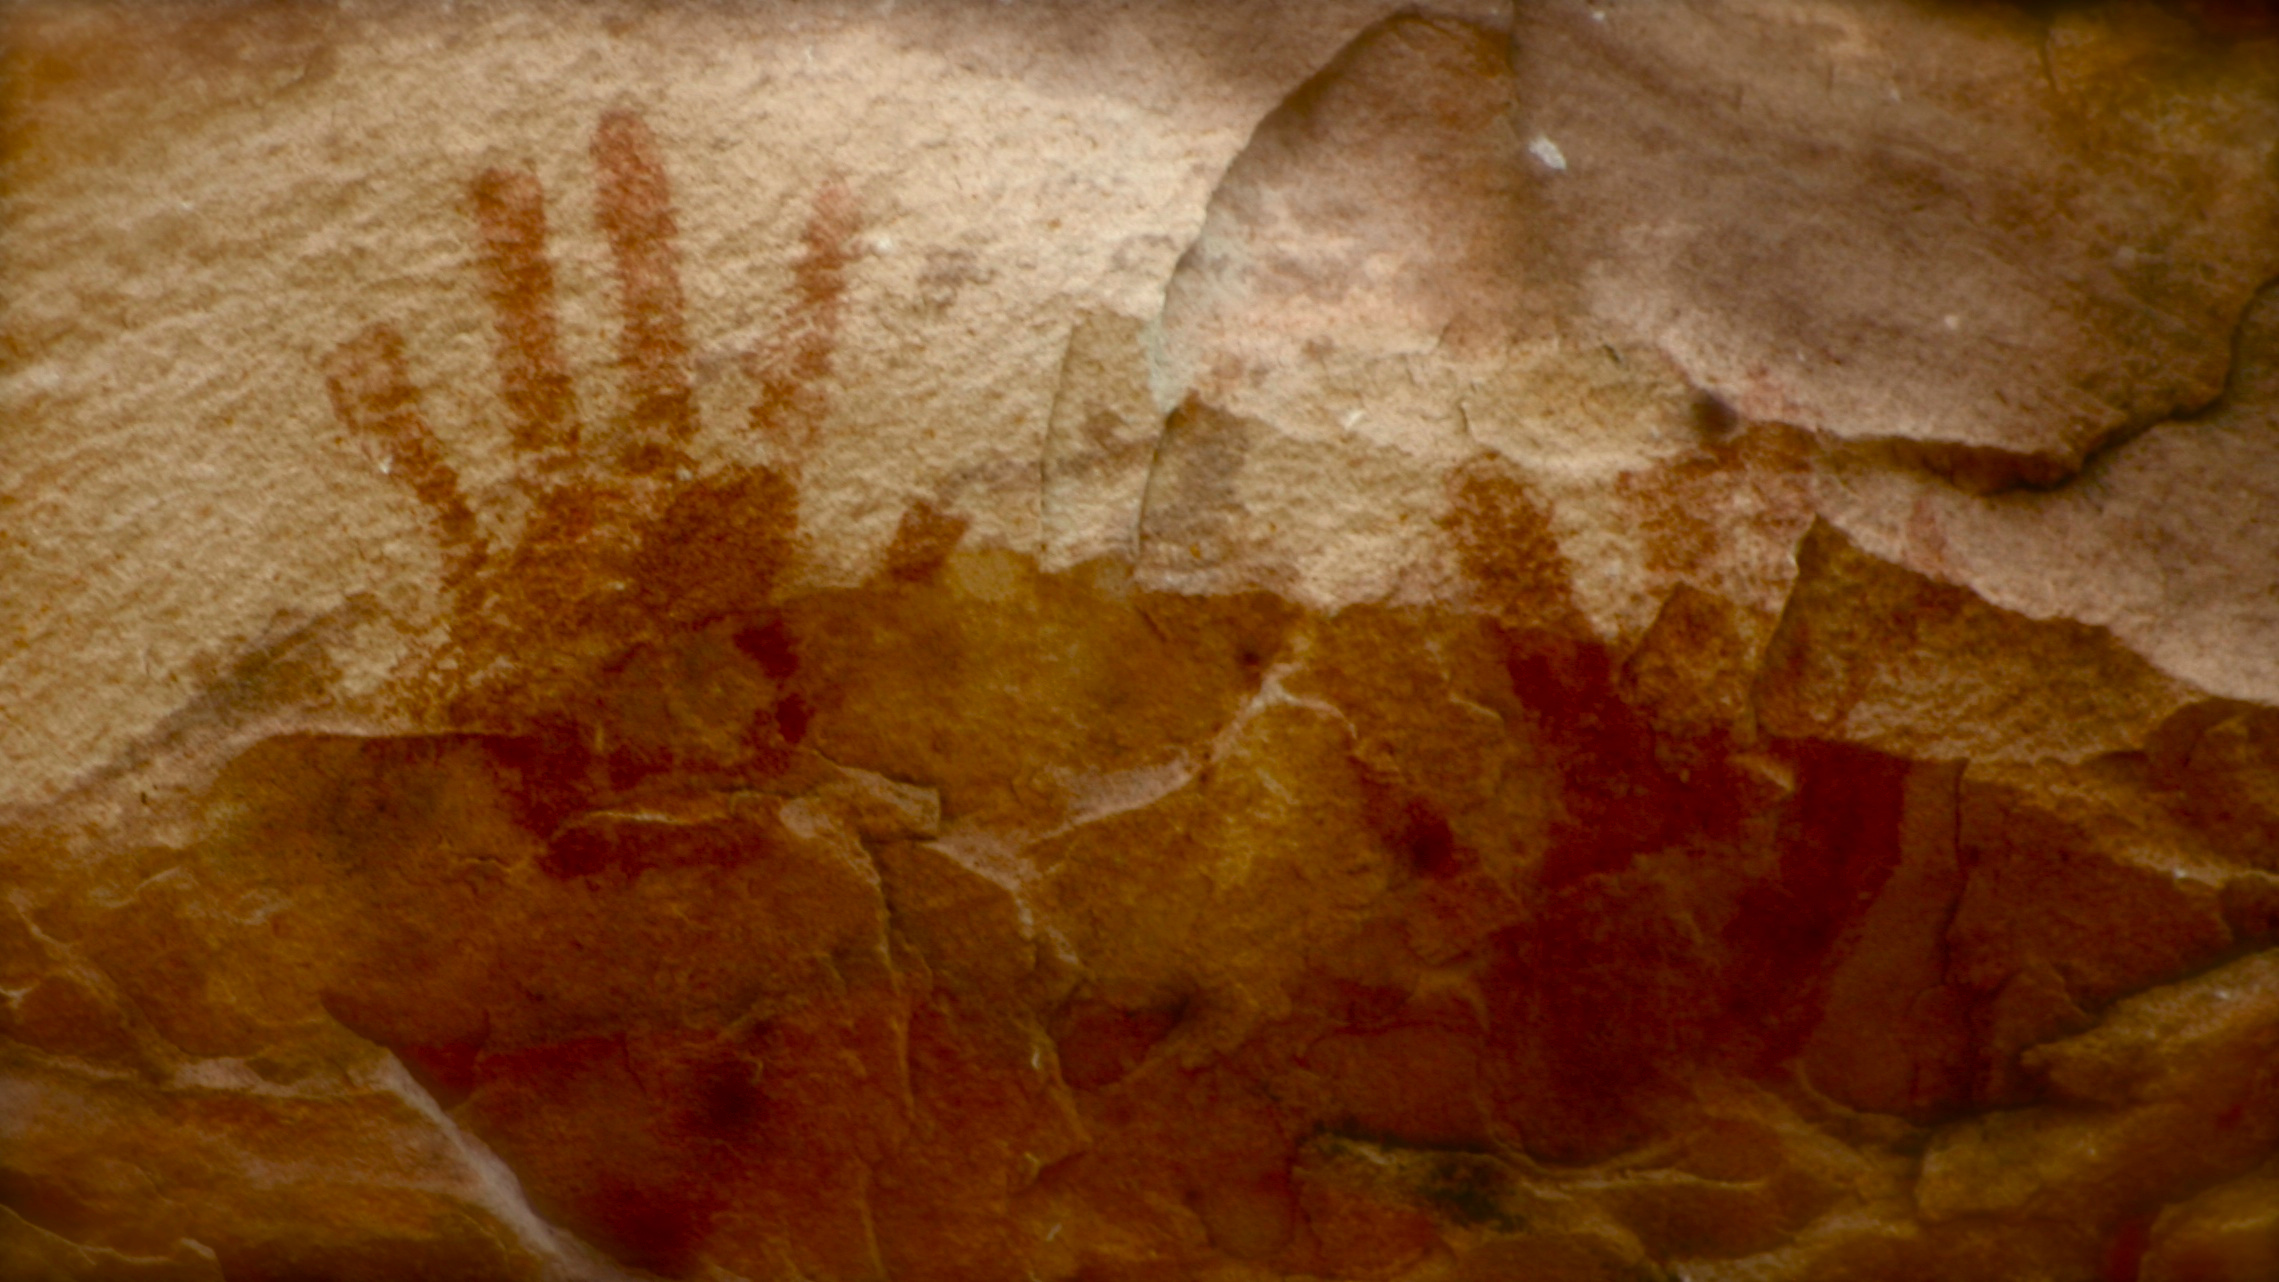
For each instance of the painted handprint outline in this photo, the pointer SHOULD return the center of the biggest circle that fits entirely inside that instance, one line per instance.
(617, 670)
(598, 536)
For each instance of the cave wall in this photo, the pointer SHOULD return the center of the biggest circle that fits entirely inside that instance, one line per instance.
(1134, 641)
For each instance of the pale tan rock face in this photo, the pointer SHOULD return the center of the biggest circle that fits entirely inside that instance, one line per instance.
(1135, 641)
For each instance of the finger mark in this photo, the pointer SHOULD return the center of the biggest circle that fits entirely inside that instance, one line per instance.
(510, 216)
(792, 398)
(636, 216)
(373, 397)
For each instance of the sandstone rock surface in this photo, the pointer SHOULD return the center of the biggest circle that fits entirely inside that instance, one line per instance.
(1139, 640)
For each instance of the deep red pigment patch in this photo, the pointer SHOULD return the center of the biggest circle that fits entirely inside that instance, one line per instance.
(666, 924)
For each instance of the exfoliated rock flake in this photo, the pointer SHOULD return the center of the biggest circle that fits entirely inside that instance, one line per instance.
(1567, 640)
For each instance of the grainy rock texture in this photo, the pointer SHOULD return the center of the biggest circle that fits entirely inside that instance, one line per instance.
(1130, 641)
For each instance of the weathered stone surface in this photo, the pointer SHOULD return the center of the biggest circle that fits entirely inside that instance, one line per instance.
(1139, 641)
(1992, 238)
(2230, 1231)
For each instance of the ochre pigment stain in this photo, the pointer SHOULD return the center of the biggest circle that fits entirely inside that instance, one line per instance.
(373, 398)
(669, 920)
(510, 217)
(794, 370)
(636, 215)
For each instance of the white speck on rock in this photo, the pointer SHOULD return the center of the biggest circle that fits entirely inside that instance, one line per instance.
(1548, 152)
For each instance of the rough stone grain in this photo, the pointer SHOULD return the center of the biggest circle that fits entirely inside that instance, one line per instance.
(1139, 640)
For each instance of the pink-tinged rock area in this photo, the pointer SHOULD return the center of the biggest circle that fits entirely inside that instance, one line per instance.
(1138, 641)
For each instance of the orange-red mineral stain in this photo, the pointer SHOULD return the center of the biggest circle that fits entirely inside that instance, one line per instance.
(635, 210)
(702, 1030)
(666, 921)
(373, 397)
(510, 220)
(794, 368)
